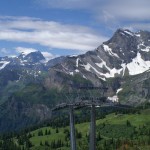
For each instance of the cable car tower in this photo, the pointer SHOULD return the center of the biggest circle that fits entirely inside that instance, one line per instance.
(86, 96)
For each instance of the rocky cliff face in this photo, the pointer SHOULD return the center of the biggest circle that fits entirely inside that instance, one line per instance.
(126, 53)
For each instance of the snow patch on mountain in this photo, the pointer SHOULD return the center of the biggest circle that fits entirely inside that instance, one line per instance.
(84, 77)
(71, 73)
(119, 90)
(77, 62)
(143, 48)
(138, 35)
(147, 49)
(3, 64)
(109, 50)
(90, 68)
(73, 56)
(128, 32)
(122, 33)
(87, 67)
(102, 64)
(113, 98)
(77, 70)
(111, 72)
(138, 65)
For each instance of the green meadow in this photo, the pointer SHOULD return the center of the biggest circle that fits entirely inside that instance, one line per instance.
(115, 131)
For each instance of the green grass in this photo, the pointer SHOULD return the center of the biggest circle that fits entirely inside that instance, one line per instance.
(135, 119)
(53, 136)
(113, 126)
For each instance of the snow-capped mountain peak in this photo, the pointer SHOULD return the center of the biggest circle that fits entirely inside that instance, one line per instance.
(126, 53)
(31, 57)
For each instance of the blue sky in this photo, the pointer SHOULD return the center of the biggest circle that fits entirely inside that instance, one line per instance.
(65, 27)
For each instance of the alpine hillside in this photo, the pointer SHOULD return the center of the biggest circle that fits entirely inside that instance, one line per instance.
(30, 85)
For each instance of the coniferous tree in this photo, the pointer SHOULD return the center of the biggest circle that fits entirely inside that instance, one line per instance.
(99, 136)
(53, 144)
(28, 144)
(128, 123)
(49, 132)
(23, 148)
(40, 133)
(20, 140)
(41, 143)
(78, 134)
(57, 131)
(29, 135)
(46, 133)
(46, 143)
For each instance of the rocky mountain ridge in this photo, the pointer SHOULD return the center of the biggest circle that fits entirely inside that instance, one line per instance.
(126, 53)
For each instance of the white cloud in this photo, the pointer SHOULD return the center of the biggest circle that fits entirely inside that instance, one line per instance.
(49, 33)
(25, 50)
(67, 4)
(134, 10)
(48, 55)
(131, 9)
(112, 13)
(5, 52)
(137, 26)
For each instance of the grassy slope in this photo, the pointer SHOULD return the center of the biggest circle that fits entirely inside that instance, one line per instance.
(113, 124)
